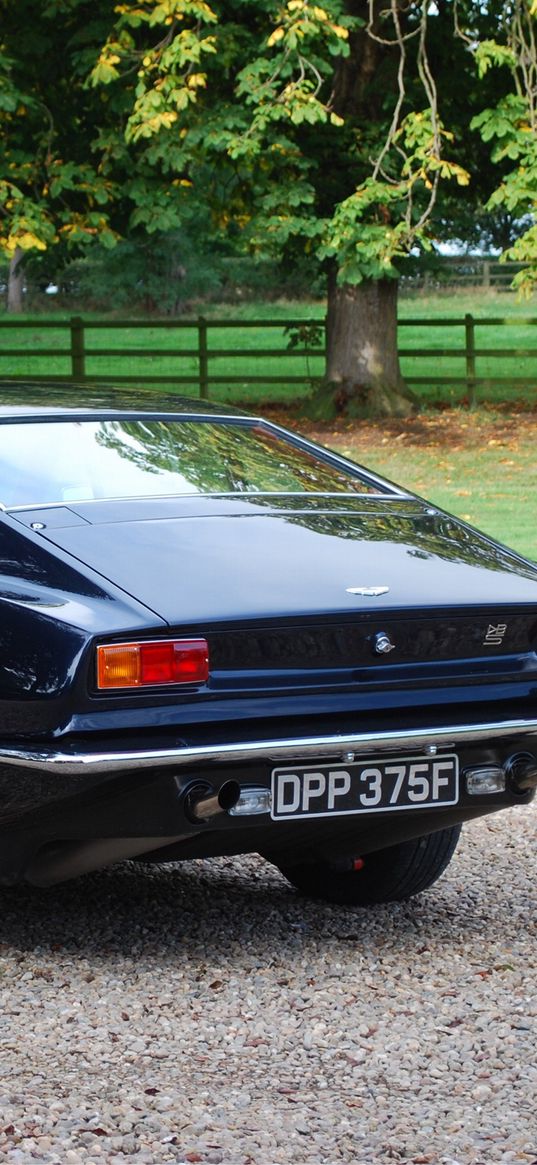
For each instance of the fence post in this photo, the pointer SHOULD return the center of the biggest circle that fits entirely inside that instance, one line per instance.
(203, 358)
(78, 363)
(469, 333)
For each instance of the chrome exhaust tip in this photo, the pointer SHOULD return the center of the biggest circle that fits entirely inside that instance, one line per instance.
(521, 772)
(202, 803)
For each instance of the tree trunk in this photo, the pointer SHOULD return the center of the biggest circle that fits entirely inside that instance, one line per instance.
(15, 282)
(363, 377)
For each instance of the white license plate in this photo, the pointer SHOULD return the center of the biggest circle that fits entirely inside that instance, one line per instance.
(366, 786)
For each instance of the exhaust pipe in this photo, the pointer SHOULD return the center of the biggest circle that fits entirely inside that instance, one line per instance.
(202, 803)
(522, 773)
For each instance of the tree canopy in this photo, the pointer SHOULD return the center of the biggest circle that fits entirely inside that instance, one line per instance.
(352, 130)
(297, 121)
(52, 187)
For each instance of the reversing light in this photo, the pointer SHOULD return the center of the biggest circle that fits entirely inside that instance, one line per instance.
(152, 663)
(251, 802)
(486, 779)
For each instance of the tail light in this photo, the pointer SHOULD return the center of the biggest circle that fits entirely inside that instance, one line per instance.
(152, 663)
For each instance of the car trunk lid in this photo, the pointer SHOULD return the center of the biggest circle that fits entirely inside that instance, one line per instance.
(207, 561)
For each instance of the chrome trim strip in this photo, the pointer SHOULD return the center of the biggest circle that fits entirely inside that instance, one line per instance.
(248, 495)
(301, 748)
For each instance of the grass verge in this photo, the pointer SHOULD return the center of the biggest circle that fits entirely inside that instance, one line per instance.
(481, 467)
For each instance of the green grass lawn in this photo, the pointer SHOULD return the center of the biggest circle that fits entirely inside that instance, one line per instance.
(492, 485)
(517, 334)
(173, 352)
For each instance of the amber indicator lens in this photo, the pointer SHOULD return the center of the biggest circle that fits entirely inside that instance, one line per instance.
(162, 661)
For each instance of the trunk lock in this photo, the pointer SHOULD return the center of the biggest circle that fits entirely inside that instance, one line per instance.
(382, 643)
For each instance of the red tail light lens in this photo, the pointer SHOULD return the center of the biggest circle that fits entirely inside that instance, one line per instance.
(161, 661)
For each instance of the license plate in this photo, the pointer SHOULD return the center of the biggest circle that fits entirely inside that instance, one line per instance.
(366, 786)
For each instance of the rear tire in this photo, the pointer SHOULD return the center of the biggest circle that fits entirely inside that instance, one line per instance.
(388, 875)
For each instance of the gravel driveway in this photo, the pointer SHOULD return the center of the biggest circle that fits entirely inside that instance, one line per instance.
(205, 1013)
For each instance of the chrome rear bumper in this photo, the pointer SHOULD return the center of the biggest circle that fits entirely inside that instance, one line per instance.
(293, 749)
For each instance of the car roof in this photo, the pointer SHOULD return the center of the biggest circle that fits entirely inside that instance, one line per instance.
(36, 399)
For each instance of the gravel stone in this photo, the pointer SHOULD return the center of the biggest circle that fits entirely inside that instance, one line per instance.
(206, 1013)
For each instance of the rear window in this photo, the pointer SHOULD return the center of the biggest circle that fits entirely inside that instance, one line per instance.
(68, 460)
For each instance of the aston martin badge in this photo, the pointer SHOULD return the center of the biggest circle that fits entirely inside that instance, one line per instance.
(368, 592)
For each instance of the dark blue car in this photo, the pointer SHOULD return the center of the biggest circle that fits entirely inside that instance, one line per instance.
(219, 638)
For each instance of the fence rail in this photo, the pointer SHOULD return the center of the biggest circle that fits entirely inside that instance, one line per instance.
(197, 365)
(466, 271)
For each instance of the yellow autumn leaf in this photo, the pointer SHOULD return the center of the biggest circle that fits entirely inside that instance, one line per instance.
(451, 170)
(336, 119)
(28, 241)
(275, 36)
(343, 33)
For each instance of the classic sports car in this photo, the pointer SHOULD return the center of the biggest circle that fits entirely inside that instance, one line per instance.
(218, 638)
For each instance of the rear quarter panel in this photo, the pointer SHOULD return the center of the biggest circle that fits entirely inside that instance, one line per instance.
(50, 612)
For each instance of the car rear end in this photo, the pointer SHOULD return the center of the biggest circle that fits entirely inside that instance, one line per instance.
(307, 662)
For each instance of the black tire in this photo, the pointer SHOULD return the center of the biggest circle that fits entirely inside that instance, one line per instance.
(388, 875)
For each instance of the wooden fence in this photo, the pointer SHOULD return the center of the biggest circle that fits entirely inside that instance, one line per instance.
(193, 366)
(449, 271)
